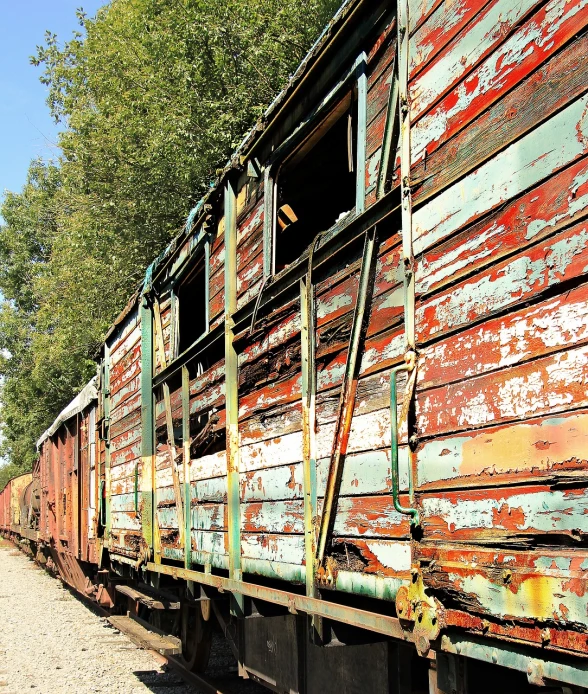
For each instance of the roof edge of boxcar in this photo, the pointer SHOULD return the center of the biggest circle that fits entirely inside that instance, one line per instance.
(82, 400)
(249, 141)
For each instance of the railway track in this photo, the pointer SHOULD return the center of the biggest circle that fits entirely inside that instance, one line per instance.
(225, 679)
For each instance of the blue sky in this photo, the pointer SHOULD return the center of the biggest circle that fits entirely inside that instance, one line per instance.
(26, 128)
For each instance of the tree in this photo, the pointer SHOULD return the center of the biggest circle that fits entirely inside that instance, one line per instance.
(153, 96)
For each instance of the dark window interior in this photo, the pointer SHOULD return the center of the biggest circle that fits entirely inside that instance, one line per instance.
(192, 307)
(316, 183)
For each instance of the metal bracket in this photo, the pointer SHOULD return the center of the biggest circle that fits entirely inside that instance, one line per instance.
(424, 611)
(348, 391)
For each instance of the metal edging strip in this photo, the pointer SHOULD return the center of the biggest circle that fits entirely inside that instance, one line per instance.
(382, 624)
(232, 393)
(186, 461)
(348, 390)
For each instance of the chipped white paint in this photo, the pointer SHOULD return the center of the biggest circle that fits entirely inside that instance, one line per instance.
(548, 385)
(391, 554)
(369, 432)
(544, 511)
(524, 275)
(535, 37)
(552, 145)
(464, 52)
(524, 447)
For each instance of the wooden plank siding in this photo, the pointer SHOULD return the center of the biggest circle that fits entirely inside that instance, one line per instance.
(496, 442)
(125, 435)
(499, 166)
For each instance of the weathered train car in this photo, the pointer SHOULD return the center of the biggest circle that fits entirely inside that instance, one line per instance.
(11, 497)
(70, 504)
(410, 209)
(352, 395)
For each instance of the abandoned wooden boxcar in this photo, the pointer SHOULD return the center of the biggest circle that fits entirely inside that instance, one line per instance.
(404, 231)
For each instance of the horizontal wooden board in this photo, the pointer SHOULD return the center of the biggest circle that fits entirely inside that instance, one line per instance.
(547, 586)
(546, 149)
(511, 282)
(545, 209)
(449, 155)
(552, 446)
(442, 26)
(527, 48)
(550, 326)
(506, 515)
(553, 384)
(481, 37)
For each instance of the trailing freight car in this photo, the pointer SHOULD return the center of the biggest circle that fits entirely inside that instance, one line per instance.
(346, 414)
(13, 507)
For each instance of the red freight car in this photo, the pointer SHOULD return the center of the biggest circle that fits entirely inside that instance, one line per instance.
(348, 406)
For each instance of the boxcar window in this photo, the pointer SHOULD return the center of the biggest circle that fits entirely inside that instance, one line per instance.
(316, 183)
(191, 295)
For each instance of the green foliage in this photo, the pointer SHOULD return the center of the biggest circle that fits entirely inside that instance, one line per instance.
(153, 96)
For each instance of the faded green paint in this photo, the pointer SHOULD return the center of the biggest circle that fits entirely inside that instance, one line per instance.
(106, 435)
(147, 425)
(186, 444)
(412, 512)
(515, 657)
(232, 394)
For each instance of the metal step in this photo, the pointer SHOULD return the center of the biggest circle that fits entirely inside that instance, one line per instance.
(153, 602)
(144, 638)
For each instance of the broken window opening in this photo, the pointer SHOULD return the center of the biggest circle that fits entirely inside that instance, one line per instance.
(316, 183)
(190, 308)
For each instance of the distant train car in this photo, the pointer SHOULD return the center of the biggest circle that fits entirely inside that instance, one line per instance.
(345, 416)
(13, 512)
(69, 492)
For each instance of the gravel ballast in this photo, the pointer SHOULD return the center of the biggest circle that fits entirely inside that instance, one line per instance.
(51, 643)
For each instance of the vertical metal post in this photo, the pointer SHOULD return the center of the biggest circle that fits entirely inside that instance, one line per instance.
(173, 454)
(348, 391)
(269, 205)
(308, 352)
(106, 434)
(361, 133)
(186, 445)
(207, 244)
(232, 394)
(147, 427)
(174, 324)
(405, 158)
(388, 140)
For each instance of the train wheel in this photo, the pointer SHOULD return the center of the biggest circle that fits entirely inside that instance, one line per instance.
(196, 625)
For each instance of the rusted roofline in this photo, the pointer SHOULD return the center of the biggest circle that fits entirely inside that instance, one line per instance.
(257, 133)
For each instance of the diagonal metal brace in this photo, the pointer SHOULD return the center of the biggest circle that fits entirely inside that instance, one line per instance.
(348, 391)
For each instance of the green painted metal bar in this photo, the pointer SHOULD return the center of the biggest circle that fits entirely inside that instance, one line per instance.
(106, 436)
(382, 624)
(361, 71)
(308, 354)
(269, 212)
(538, 668)
(395, 474)
(232, 393)
(307, 336)
(147, 427)
(348, 390)
(391, 114)
(186, 446)
(405, 165)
